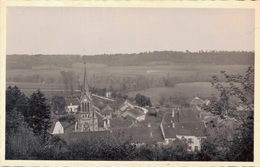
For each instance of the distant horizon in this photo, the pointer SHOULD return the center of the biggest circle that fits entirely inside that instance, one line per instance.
(97, 31)
(67, 54)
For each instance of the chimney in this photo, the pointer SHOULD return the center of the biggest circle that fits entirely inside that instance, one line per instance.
(172, 112)
(149, 125)
(108, 123)
(105, 124)
(173, 125)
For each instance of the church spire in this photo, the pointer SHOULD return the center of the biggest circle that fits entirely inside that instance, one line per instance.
(85, 88)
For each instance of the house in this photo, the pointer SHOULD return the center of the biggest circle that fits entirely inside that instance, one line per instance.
(108, 94)
(199, 103)
(134, 113)
(72, 105)
(124, 107)
(60, 127)
(107, 111)
(181, 115)
(57, 128)
(119, 122)
(192, 133)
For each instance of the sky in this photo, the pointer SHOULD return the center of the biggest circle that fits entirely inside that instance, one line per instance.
(90, 31)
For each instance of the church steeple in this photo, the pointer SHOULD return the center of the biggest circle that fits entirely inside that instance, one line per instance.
(85, 88)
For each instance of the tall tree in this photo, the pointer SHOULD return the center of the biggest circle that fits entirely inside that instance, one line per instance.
(39, 111)
(16, 107)
(142, 100)
(58, 104)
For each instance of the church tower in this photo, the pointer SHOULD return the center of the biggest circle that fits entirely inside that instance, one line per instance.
(87, 119)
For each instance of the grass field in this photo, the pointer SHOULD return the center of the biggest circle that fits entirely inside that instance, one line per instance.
(173, 70)
(184, 90)
(181, 71)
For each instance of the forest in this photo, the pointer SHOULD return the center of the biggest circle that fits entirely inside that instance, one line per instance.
(135, 59)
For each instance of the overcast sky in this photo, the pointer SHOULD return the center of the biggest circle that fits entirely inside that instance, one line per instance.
(90, 31)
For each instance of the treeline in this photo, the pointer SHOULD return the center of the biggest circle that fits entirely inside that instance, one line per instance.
(18, 61)
(149, 58)
(143, 58)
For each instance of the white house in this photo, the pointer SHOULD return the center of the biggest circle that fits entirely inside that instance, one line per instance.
(58, 128)
(72, 105)
(108, 94)
(191, 133)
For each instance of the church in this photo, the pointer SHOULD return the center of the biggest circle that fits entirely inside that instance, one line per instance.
(87, 115)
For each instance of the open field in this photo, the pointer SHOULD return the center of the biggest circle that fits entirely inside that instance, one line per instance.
(184, 90)
(173, 70)
(197, 75)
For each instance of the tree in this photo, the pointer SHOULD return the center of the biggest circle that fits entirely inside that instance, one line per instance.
(39, 112)
(58, 104)
(65, 80)
(142, 100)
(16, 107)
(237, 91)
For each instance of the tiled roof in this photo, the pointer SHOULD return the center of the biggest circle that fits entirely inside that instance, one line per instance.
(74, 101)
(136, 112)
(107, 110)
(185, 115)
(143, 134)
(119, 122)
(68, 127)
(184, 128)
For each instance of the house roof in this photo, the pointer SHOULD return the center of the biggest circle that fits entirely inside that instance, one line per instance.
(184, 129)
(143, 134)
(74, 101)
(184, 114)
(197, 101)
(68, 127)
(107, 110)
(119, 122)
(136, 112)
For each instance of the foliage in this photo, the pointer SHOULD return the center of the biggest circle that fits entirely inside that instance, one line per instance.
(38, 114)
(142, 100)
(58, 105)
(70, 118)
(69, 78)
(16, 107)
(21, 142)
(237, 143)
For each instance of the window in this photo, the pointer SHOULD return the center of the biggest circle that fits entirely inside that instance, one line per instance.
(196, 148)
(189, 148)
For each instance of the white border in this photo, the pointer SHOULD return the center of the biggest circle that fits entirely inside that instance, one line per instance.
(136, 4)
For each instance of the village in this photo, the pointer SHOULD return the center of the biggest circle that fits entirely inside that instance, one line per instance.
(149, 124)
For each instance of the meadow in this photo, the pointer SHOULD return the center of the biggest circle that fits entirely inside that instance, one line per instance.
(194, 78)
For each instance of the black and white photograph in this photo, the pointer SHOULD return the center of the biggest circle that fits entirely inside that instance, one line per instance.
(92, 83)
